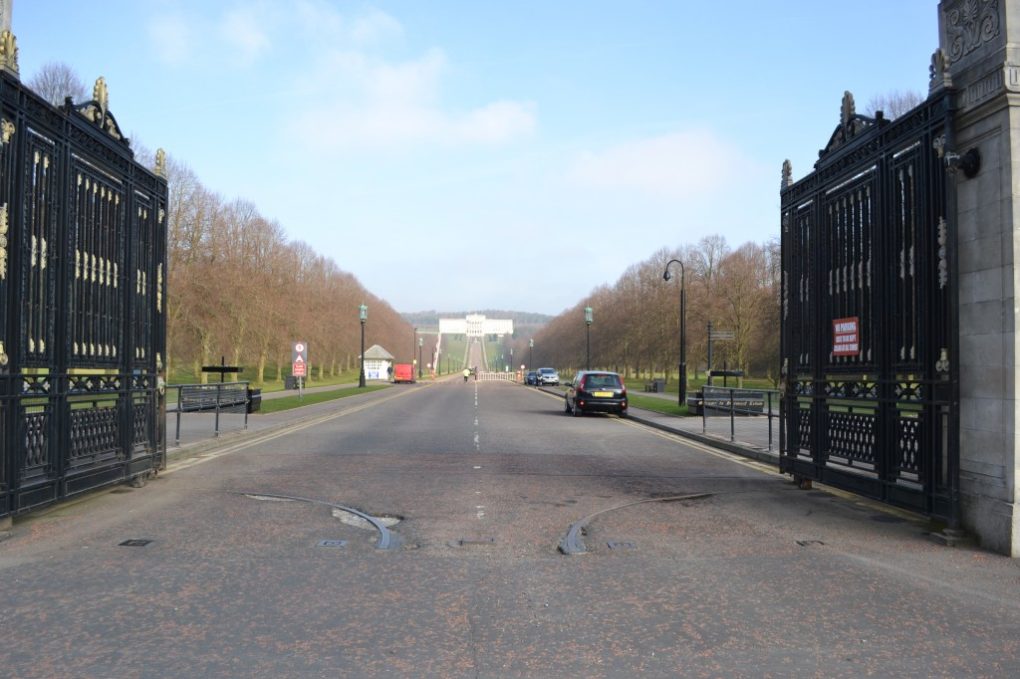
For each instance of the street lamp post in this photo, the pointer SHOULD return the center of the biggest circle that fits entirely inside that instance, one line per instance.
(587, 337)
(531, 354)
(421, 341)
(683, 329)
(363, 316)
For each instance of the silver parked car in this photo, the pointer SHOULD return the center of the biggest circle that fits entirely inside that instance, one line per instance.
(548, 376)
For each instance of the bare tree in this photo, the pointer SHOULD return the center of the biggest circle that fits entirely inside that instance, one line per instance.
(637, 319)
(55, 81)
(894, 104)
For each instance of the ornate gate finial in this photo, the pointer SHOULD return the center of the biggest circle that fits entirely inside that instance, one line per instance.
(938, 72)
(160, 168)
(98, 110)
(101, 95)
(847, 110)
(9, 52)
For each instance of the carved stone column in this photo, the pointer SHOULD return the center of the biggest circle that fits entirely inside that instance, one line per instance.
(979, 58)
(8, 43)
(5, 14)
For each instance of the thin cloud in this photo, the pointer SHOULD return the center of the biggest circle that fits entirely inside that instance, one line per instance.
(497, 123)
(323, 23)
(678, 165)
(170, 38)
(352, 94)
(382, 104)
(389, 126)
(375, 27)
(242, 31)
(413, 82)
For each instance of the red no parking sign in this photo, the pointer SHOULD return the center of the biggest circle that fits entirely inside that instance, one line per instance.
(299, 359)
(846, 336)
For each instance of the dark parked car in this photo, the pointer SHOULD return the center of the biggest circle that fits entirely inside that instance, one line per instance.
(531, 378)
(596, 391)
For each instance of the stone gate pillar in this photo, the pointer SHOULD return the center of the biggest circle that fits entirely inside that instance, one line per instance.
(8, 43)
(979, 58)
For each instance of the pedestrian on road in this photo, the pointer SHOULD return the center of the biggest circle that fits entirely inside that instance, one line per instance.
(466, 373)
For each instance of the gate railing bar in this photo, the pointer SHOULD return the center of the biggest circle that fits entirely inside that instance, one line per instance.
(733, 424)
(217, 405)
(732, 410)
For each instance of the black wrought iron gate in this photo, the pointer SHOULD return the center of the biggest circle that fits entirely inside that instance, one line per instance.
(82, 289)
(868, 316)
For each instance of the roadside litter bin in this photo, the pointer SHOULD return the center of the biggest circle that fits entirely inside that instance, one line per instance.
(289, 382)
(254, 400)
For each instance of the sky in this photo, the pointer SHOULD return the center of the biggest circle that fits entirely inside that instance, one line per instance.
(465, 155)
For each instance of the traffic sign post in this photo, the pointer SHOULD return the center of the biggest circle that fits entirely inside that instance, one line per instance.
(716, 336)
(299, 364)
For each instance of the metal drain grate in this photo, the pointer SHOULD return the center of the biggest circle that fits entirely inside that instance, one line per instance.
(809, 543)
(467, 542)
(333, 544)
(620, 544)
(135, 542)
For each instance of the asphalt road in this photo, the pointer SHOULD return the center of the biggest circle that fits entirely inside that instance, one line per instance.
(746, 577)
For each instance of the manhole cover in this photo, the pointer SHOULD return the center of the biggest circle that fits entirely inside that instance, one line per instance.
(332, 544)
(135, 542)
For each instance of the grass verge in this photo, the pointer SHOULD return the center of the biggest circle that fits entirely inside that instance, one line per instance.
(659, 405)
(288, 402)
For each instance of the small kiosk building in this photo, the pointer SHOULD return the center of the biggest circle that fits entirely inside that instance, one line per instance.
(378, 363)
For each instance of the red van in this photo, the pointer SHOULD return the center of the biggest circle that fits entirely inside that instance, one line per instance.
(403, 372)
